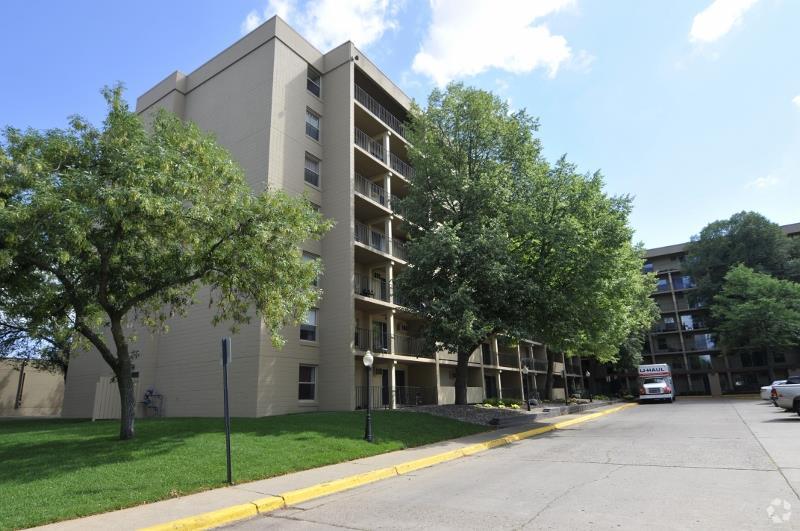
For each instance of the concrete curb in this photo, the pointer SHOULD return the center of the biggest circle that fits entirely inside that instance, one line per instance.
(268, 504)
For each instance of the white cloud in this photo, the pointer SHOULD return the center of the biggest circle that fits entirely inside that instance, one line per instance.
(718, 19)
(796, 101)
(763, 182)
(328, 23)
(467, 37)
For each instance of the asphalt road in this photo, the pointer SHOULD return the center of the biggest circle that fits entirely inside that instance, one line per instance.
(695, 464)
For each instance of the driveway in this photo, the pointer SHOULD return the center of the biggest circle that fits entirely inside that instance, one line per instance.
(696, 464)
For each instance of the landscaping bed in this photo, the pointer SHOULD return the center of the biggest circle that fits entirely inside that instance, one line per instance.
(59, 469)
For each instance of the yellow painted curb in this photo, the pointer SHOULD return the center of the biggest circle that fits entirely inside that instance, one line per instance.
(272, 503)
(323, 489)
(210, 519)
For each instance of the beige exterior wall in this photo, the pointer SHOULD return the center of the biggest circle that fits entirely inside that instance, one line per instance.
(253, 98)
(42, 391)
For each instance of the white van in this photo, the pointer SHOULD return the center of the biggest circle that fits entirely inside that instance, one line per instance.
(655, 382)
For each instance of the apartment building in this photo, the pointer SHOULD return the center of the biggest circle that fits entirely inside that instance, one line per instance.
(330, 126)
(682, 338)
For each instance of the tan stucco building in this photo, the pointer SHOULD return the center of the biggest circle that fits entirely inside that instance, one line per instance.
(27, 391)
(328, 125)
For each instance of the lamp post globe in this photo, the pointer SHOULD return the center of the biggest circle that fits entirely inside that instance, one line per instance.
(368, 360)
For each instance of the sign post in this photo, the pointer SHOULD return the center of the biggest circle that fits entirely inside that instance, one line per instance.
(226, 360)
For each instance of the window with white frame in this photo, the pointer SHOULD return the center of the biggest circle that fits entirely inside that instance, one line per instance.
(308, 328)
(314, 81)
(309, 257)
(312, 170)
(312, 124)
(307, 383)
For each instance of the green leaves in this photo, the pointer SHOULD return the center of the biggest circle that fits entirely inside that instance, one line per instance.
(757, 311)
(123, 222)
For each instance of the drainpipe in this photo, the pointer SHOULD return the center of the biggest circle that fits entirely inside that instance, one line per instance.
(20, 386)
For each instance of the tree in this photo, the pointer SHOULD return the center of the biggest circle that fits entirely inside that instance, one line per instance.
(467, 150)
(756, 311)
(584, 292)
(746, 238)
(120, 226)
(45, 345)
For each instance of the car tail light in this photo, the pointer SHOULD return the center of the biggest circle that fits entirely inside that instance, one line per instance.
(773, 393)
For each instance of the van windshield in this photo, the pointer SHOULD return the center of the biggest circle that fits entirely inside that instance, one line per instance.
(653, 380)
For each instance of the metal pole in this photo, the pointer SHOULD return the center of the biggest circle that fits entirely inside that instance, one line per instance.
(566, 386)
(368, 427)
(225, 359)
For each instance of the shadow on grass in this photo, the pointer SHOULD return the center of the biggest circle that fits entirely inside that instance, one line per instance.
(38, 450)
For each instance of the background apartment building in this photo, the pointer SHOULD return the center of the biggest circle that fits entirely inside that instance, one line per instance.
(682, 338)
(329, 126)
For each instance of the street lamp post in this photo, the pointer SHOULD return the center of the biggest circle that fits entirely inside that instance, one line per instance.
(368, 359)
(526, 395)
(589, 383)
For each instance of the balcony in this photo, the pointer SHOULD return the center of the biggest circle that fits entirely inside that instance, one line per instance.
(401, 166)
(364, 340)
(379, 110)
(397, 207)
(508, 360)
(368, 144)
(370, 189)
(369, 236)
(405, 345)
(374, 288)
(399, 249)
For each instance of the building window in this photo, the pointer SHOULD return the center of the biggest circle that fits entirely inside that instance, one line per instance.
(314, 82)
(312, 124)
(308, 257)
(307, 383)
(312, 169)
(308, 329)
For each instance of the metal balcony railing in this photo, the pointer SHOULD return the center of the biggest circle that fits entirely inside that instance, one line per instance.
(371, 146)
(508, 360)
(370, 189)
(404, 396)
(399, 249)
(370, 340)
(369, 236)
(374, 288)
(379, 110)
(409, 345)
(401, 166)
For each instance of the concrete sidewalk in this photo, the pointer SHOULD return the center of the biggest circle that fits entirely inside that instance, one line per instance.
(191, 505)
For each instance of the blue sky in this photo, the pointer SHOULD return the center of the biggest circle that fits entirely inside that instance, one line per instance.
(692, 107)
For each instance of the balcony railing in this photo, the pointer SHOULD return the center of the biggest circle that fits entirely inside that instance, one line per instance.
(369, 236)
(401, 166)
(379, 110)
(409, 345)
(371, 146)
(370, 189)
(366, 340)
(404, 396)
(374, 288)
(399, 249)
(508, 360)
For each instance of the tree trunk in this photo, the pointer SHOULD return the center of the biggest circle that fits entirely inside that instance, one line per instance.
(462, 372)
(548, 380)
(127, 401)
(124, 373)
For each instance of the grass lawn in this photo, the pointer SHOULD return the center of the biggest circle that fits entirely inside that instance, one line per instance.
(53, 470)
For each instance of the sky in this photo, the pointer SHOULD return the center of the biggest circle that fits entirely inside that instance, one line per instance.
(692, 107)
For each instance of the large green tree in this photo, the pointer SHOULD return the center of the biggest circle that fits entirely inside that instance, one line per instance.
(467, 151)
(746, 238)
(584, 292)
(756, 311)
(120, 226)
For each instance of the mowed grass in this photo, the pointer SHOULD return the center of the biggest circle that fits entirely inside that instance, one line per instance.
(54, 470)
